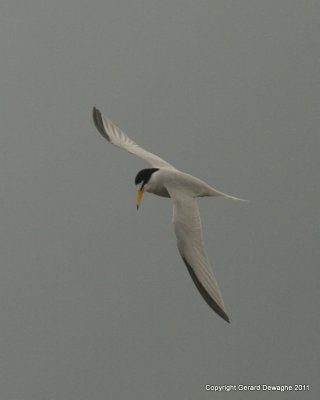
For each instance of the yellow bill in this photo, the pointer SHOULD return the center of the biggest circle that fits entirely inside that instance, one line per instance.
(139, 197)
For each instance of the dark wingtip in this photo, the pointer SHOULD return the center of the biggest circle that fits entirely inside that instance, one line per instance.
(98, 122)
(209, 300)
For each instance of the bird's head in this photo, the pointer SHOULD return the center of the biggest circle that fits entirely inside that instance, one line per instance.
(142, 180)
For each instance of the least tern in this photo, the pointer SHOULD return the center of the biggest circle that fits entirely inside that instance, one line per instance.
(165, 180)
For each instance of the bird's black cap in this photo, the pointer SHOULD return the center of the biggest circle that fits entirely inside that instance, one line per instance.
(144, 175)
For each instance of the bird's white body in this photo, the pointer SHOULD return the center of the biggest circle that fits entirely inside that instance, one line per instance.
(167, 181)
(186, 183)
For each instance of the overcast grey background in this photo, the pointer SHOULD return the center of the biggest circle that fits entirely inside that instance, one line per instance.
(95, 300)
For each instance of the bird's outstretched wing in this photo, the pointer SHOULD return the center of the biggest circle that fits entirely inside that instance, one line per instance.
(187, 227)
(118, 138)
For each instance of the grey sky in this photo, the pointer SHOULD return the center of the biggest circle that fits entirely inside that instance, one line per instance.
(95, 300)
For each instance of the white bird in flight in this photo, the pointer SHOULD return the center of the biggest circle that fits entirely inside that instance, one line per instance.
(165, 180)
